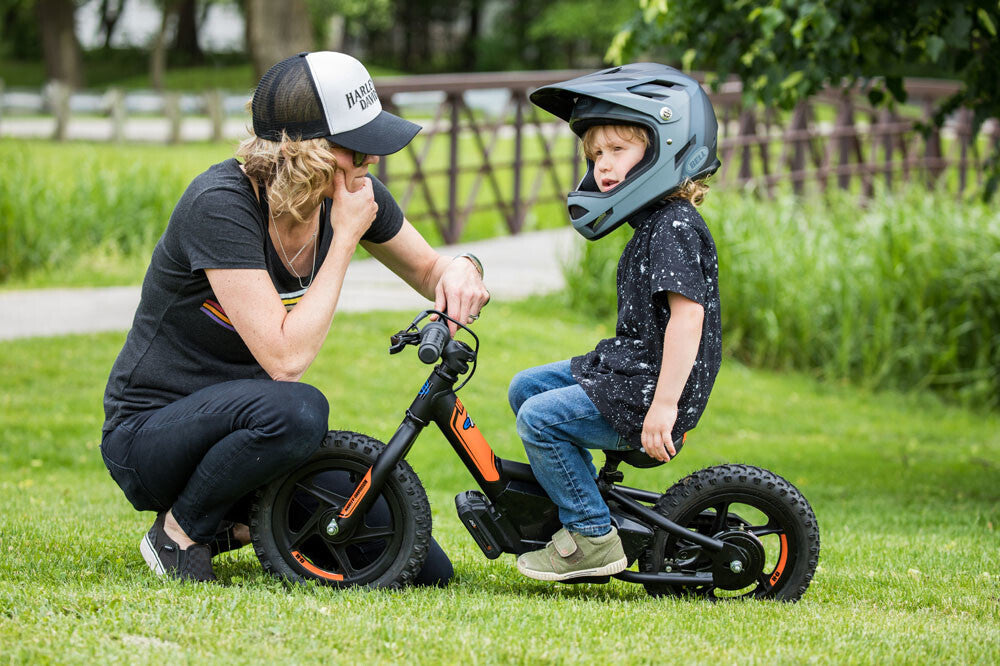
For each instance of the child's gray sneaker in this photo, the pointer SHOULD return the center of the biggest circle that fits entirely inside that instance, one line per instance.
(572, 555)
(165, 557)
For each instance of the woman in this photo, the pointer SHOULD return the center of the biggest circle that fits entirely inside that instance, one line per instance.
(203, 404)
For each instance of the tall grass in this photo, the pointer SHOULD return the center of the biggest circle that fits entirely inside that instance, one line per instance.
(85, 214)
(59, 202)
(903, 292)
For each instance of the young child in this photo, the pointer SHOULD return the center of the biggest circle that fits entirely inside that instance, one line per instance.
(649, 136)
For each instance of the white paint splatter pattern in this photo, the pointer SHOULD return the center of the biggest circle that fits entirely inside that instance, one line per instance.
(671, 250)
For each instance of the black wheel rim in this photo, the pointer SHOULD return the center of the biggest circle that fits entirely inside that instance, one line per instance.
(725, 511)
(302, 509)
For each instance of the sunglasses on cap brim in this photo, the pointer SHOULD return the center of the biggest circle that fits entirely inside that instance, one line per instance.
(358, 157)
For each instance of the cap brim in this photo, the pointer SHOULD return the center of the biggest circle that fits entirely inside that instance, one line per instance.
(384, 135)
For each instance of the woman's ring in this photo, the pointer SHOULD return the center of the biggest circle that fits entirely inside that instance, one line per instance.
(473, 318)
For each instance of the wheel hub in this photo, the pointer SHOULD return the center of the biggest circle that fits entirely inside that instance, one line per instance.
(741, 561)
(328, 527)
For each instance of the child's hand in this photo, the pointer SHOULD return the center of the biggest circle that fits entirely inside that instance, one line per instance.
(656, 435)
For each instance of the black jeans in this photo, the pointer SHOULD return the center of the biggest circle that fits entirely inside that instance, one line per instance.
(204, 455)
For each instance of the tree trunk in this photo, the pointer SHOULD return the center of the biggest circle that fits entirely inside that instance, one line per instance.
(158, 53)
(468, 61)
(111, 11)
(56, 23)
(186, 41)
(276, 30)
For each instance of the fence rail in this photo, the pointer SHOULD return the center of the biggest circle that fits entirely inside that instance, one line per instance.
(486, 150)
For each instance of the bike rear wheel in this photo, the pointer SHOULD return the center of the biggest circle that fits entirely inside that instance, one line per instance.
(290, 516)
(747, 506)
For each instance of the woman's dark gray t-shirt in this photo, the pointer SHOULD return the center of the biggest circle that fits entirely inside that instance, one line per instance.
(671, 251)
(181, 340)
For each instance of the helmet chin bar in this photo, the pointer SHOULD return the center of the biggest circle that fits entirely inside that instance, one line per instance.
(588, 185)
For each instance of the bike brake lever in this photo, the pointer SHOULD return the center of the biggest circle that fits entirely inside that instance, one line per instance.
(400, 340)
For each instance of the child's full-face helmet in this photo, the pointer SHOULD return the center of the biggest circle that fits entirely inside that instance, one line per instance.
(674, 109)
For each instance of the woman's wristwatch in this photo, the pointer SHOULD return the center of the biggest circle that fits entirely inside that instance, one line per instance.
(475, 262)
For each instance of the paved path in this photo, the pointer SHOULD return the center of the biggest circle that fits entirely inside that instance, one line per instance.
(516, 267)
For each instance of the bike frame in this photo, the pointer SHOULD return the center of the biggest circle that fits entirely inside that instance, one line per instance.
(519, 515)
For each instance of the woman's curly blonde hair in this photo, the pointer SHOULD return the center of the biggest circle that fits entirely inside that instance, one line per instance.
(692, 190)
(295, 172)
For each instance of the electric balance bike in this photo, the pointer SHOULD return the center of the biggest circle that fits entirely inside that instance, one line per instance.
(355, 513)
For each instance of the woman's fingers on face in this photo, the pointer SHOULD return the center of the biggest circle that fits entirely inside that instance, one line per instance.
(339, 180)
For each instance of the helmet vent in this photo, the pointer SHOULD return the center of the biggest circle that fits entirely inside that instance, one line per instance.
(658, 90)
(679, 157)
(593, 226)
(576, 212)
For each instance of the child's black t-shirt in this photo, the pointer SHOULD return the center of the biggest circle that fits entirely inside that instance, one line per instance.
(671, 250)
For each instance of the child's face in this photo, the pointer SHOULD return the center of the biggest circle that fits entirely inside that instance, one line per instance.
(614, 157)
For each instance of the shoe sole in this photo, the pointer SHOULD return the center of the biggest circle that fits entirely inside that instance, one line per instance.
(606, 570)
(149, 554)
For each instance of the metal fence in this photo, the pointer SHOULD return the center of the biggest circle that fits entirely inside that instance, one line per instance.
(486, 150)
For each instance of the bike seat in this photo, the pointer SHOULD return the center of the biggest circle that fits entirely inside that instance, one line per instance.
(638, 457)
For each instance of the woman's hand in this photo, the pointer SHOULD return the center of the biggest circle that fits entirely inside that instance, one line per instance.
(461, 290)
(352, 213)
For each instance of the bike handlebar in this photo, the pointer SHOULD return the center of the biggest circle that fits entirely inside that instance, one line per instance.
(433, 338)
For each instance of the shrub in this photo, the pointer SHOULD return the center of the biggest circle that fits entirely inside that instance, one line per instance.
(903, 293)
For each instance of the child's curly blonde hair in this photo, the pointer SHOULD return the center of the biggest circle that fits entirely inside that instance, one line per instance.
(295, 172)
(692, 190)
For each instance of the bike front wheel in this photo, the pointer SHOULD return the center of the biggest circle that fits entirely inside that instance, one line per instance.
(290, 516)
(746, 506)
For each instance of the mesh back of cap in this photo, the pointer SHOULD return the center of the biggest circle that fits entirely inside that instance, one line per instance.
(286, 99)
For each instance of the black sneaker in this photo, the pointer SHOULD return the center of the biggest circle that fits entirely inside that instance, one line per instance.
(165, 557)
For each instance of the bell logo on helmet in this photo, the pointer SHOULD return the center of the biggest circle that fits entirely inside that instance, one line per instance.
(696, 160)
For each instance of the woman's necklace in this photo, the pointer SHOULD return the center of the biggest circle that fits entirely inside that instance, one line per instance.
(281, 245)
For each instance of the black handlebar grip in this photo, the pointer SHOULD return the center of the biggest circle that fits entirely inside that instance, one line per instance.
(432, 341)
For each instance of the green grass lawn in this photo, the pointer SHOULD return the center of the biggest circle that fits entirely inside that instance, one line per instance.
(906, 491)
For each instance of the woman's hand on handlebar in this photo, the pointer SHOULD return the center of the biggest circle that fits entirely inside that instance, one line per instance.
(352, 213)
(460, 292)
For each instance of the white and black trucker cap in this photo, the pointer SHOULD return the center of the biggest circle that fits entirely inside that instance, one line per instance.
(327, 95)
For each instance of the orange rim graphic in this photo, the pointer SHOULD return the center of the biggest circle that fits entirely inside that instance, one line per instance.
(474, 443)
(359, 492)
(780, 569)
(312, 568)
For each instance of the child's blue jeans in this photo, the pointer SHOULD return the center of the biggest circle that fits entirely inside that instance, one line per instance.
(558, 423)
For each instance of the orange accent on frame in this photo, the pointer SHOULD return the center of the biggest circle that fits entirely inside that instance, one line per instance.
(359, 492)
(300, 558)
(780, 569)
(473, 442)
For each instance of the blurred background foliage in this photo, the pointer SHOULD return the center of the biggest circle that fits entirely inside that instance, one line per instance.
(902, 292)
(787, 50)
(412, 36)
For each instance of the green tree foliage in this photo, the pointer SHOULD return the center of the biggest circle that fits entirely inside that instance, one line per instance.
(785, 50)
(19, 37)
(582, 27)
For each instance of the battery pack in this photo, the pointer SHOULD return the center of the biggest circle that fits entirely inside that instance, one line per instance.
(476, 513)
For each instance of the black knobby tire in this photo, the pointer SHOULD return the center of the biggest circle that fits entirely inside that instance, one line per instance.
(290, 515)
(729, 499)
